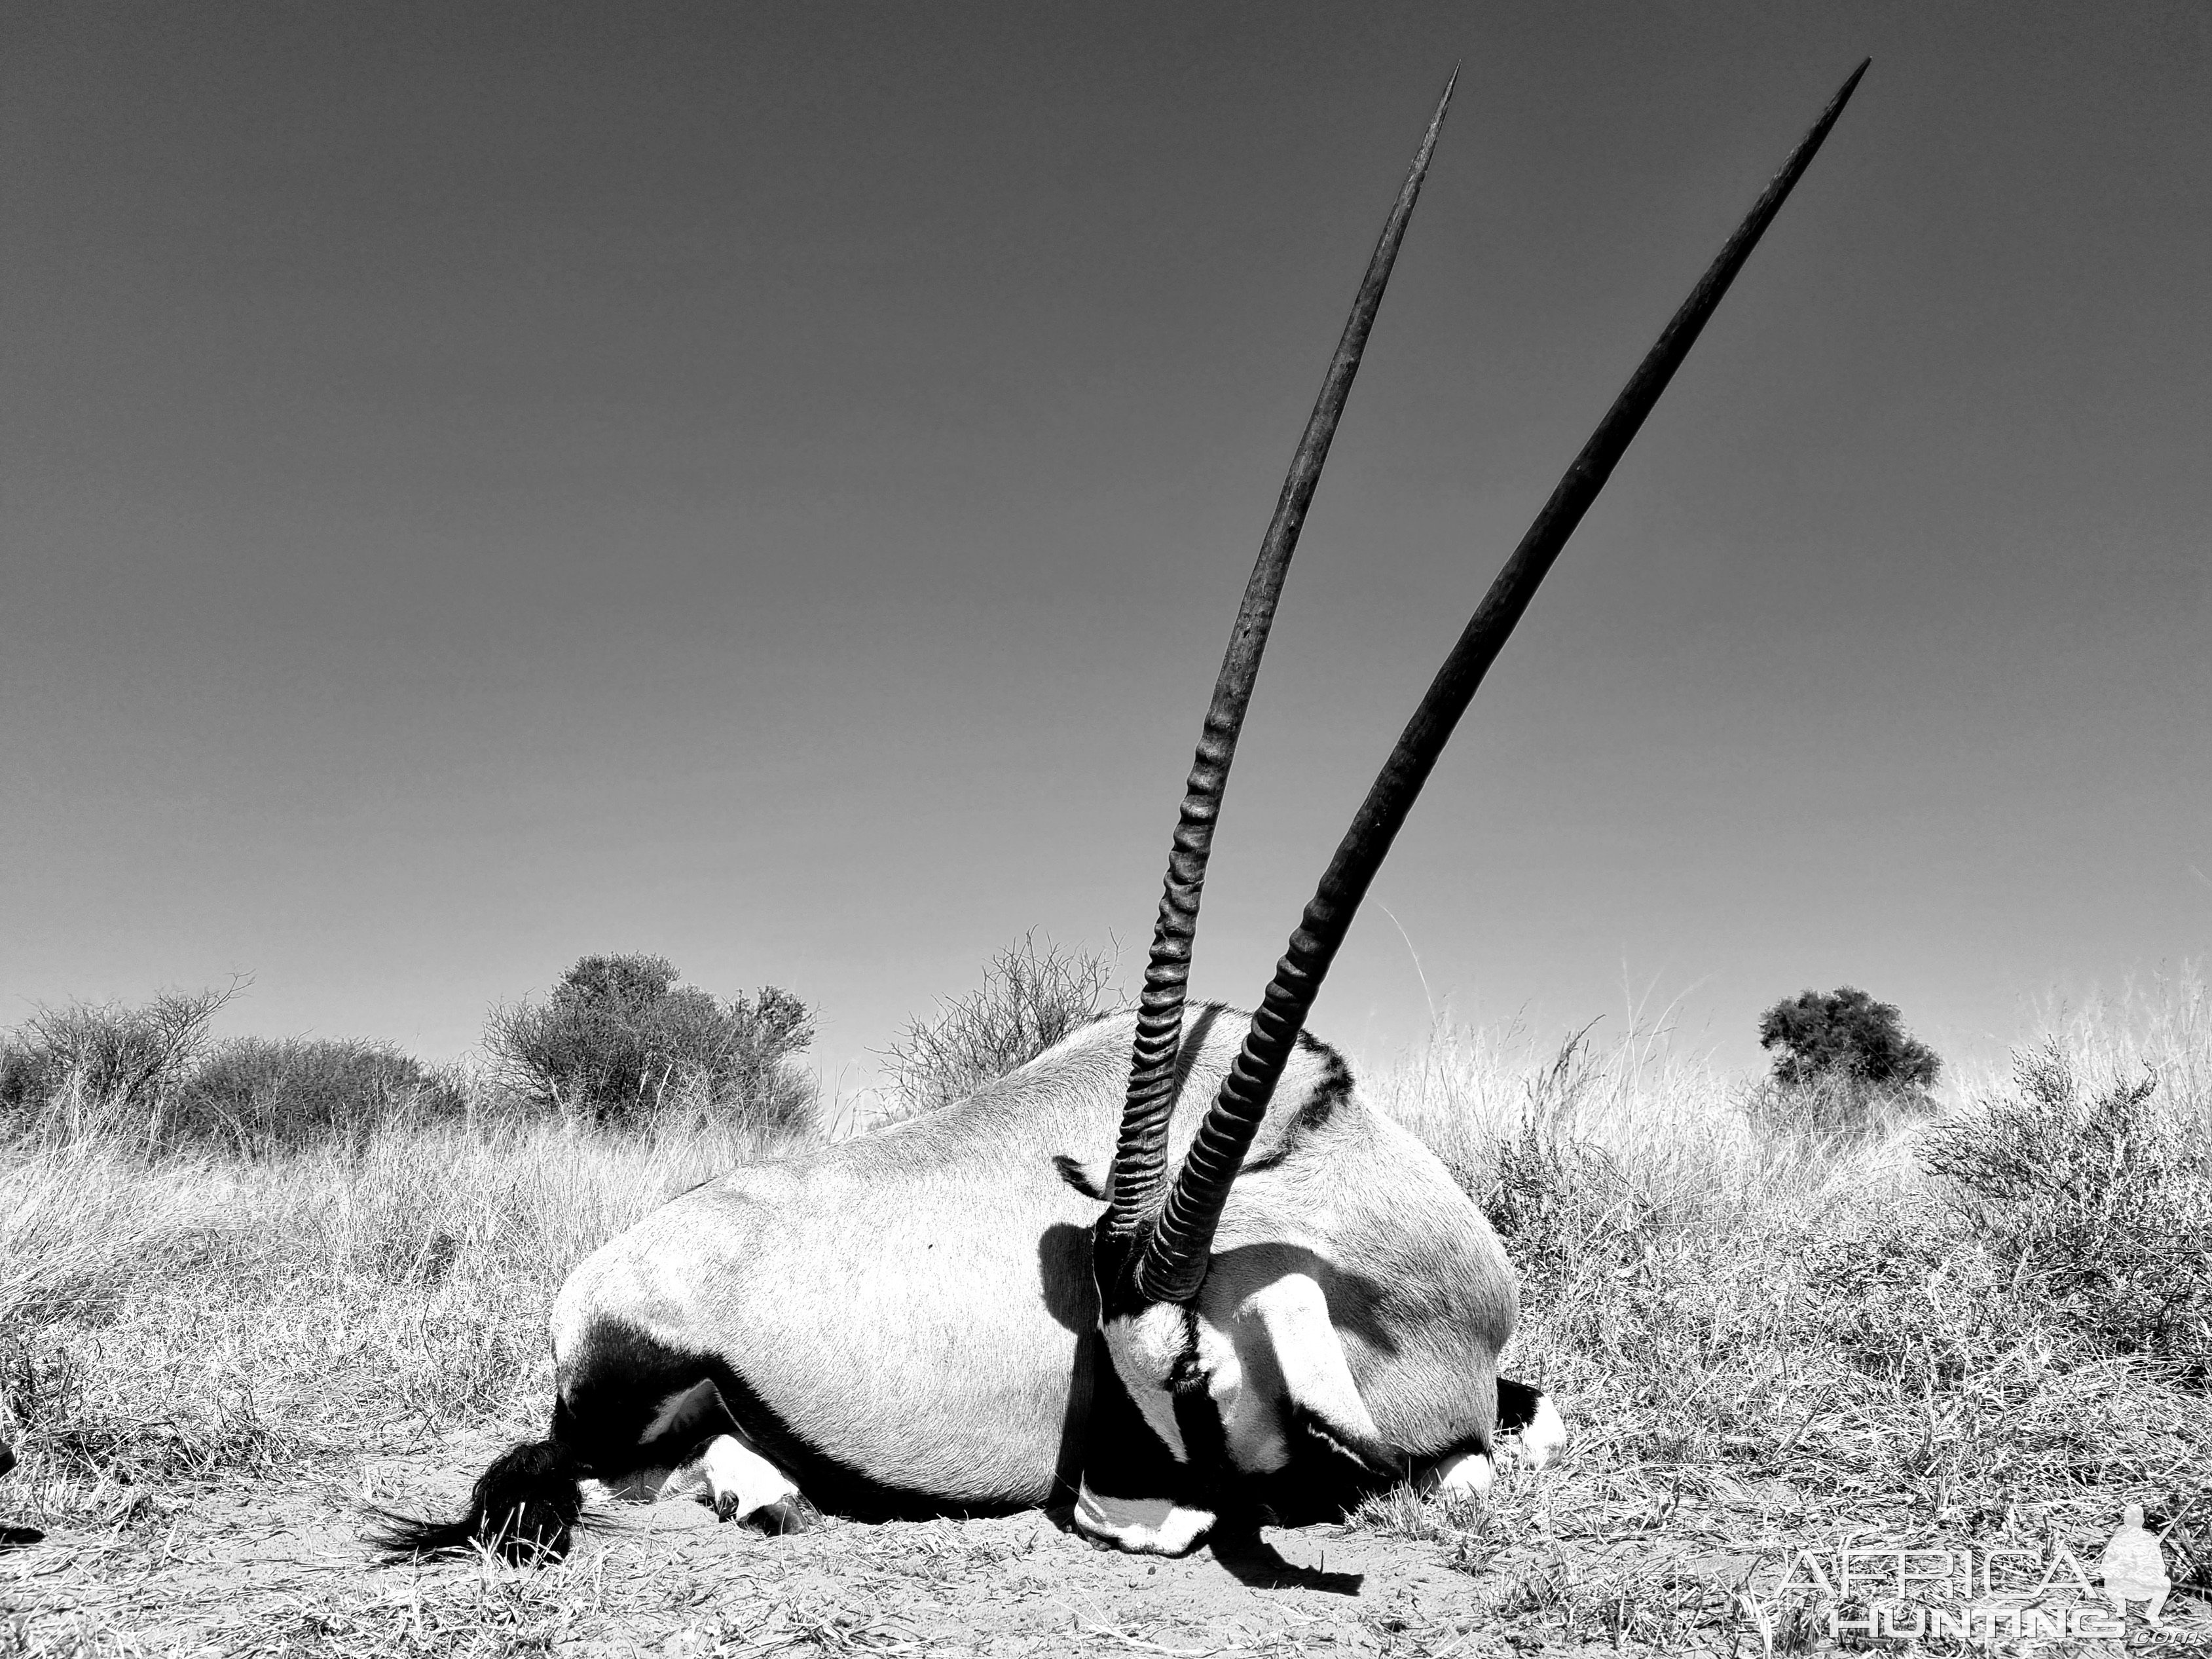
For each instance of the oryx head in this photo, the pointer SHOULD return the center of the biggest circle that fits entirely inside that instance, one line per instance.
(1156, 1442)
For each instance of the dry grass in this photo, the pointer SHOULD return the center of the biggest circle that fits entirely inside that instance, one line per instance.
(1762, 1342)
(1770, 1343)
(189, 1320)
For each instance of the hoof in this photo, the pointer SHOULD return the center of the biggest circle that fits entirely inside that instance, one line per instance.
(792, 1513)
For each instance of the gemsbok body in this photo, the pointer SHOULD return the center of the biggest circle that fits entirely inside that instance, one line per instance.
(1009, 1302)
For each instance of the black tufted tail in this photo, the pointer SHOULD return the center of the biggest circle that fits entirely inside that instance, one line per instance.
(525, 1508)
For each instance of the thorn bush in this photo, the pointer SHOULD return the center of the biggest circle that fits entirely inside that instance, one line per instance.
(107, 1069)
(1029, 1000)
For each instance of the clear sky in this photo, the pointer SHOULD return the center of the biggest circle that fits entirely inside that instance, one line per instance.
(768, 485)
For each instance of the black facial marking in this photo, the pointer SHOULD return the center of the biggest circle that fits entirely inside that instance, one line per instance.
(1184, 1375)
(1331, 1089)
(1111, 1259)
(1122, 1457)
(1371, 1456)
(1206, 1472)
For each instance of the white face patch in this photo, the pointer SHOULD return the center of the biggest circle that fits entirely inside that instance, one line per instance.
(1546, 1437)
(1146, 1351)
(741, 1479)
(1147, 1526)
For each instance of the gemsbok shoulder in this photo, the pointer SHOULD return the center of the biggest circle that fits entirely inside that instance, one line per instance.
(1174, 1269)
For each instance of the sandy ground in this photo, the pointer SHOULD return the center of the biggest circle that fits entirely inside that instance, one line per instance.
(268, 1567)
(279, 1567)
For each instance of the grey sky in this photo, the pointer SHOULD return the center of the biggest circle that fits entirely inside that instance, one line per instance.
(769, 485)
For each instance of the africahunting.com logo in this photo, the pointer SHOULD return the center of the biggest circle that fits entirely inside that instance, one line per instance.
(1989, 1595)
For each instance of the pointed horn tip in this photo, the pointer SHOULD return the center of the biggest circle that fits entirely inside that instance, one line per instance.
(1435, 123)
(1444, 102)
(1834, 111)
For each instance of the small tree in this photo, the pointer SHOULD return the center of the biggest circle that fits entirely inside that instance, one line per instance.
(1843, 1068)
(619, 1038)
(1815, 1035)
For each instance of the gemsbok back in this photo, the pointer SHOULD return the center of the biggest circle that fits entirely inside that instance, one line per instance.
(1009, 1302)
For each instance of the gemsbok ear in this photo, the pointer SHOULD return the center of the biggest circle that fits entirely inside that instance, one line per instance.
(1318, 1393)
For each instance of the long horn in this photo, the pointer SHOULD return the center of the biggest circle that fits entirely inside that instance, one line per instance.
(1139, 1170)
(1173, 1264)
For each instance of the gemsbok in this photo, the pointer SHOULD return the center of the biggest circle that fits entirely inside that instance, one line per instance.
(1008, 1302)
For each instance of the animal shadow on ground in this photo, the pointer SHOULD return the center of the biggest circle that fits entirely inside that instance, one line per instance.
(1247, 1556)
(1252, 1560)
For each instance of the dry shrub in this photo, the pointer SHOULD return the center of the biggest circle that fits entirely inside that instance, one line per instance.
(1586, 1157)
(1029, 1000)
(151, 1078)
(46, 1391)
(2095, 1198)
(258, 1096)
(107, 1069)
